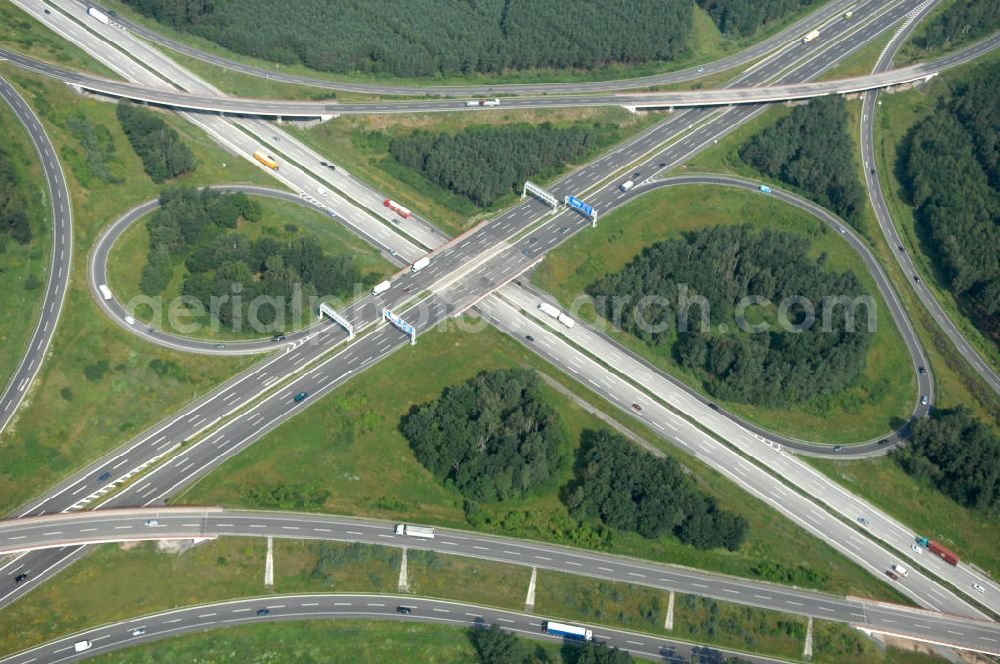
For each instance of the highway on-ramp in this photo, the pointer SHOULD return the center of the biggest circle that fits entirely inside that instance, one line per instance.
(869, 111)
(62, 253)
(198, 523)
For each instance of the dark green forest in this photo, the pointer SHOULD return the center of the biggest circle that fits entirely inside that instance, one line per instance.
(725, 264)
(493, 437)
(812, 149)
(436, 37)
(484, 162)
(195, 227)
(632, 490)
(957, 454)
(14, 218)
(951, 167)
(962, 21)
(164, 156)
(742, 18)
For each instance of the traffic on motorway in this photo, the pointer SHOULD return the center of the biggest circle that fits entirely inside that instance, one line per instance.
(477, 270)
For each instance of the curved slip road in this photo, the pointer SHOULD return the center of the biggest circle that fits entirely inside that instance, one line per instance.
(203, 617)
(965, 349)
(118, 312)
(194, 523)
(62, 254)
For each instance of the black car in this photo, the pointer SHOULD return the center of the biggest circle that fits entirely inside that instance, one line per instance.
(278, 337)
(884, 441)
(103, 476)
(404, 609)
(916, 278)
(263, 612)
(20, 577)
(713, 406)
(838, 448)
(529, 337)
(661, 164)
(921, 370)
(636, 174)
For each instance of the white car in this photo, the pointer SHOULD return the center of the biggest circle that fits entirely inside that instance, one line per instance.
(129, 320)
(321, 191)
(152, 522)
(916, 548)
(138, 631)
(979, 588)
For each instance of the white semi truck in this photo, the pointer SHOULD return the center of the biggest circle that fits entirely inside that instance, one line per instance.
(414, 531)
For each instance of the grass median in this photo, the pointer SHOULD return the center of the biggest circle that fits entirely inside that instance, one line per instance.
(346, 455)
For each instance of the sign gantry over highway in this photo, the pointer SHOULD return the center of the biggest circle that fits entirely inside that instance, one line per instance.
(403, 326)
(583, 207)
(326, 310)
(539, 193)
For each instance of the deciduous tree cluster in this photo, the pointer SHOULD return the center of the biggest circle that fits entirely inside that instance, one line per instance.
(436, 37)
(724, 265)
(741, 18)
(812, 149)
(164, 155)
(959, 455)
(961, 21)
(633, 490)
(483, 163)
(14, 219)
(951, 166)
(492, 437)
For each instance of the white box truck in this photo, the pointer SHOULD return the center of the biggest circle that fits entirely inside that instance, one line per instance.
(900, 570)
(566, 320)
(549, 310)
(625, 186)
(105, 291)
(80, 646)
(414, 531)
(811, 35)
(421, 264)
(98, 15)
(381, 287)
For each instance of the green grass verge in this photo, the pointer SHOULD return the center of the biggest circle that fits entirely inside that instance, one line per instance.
(860, 63)
(20, 32)
(876, 400)
(280, 221)
(742, 627)
(431, 574)
(315, 642)
(24, 268)
(350, 446)
(596, 602)
(360, 144)
(67, 419)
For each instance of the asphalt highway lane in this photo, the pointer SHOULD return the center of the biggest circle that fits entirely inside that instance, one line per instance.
(195, 523)
(436, 307)
(110, 638)
(62, 254)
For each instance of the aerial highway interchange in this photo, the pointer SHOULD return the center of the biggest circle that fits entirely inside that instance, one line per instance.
(479, 271)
